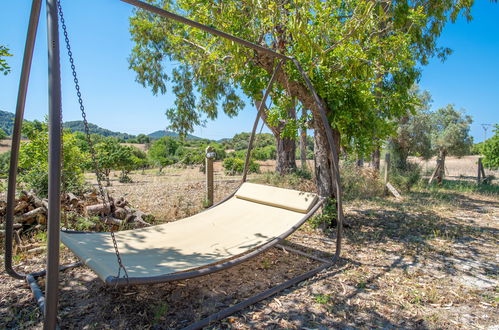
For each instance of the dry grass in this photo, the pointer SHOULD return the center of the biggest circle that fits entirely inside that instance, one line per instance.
(455, 167)
(427, 261)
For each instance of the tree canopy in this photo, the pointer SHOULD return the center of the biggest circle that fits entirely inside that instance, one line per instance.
(4, 66)
(361, 56)
(450, 132)
(490, 149)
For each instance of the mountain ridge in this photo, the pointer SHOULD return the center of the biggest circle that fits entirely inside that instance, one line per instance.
(7, 124)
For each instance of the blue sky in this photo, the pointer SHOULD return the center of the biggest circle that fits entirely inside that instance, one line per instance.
(101, 45)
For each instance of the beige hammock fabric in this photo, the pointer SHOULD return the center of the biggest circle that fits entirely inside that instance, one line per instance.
(255, 215)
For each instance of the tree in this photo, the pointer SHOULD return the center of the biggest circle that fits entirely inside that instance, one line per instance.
(143, 139)
(450, 133)
(162, 151)
(490, 150)
(361, 70)
(33, 160)
(413, 135)
(4, 66)
(111, 155)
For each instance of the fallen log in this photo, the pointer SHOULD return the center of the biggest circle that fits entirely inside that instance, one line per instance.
(393, 190)
(120, 213)
(29, 215)
(98, 209)
(112, 221)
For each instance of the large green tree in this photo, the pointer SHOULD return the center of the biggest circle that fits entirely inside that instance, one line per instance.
(450, 133)
(362, 58)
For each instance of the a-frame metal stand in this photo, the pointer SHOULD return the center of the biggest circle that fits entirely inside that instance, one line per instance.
(49, 303)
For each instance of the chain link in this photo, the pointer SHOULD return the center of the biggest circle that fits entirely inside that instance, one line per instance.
(105, 198)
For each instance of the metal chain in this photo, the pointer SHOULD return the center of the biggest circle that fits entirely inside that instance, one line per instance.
(95, 162)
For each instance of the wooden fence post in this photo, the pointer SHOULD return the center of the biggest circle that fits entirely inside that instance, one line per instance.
(210, 156)
(481, 172)
(479, 175)
(387, 169)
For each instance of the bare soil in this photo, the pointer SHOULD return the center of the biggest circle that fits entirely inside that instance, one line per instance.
(426, 261)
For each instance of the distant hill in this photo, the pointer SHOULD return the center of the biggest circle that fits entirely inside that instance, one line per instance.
(7, 121)
(7, 124)
(162, 133)
(78, 126)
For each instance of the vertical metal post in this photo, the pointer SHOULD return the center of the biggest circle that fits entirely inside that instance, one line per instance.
(54, 211)
(387, 171)
(16, 134)
(210, 155)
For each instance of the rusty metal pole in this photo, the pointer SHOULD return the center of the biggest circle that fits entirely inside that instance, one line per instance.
(16, 135)
(210, 156)
(54, 207)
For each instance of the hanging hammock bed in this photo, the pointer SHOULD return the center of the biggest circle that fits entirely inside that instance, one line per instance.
(254, 219)
(248, 222)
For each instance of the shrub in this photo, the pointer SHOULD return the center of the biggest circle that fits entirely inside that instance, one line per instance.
(490, 150)
(406, 179)
(296, 180)
(327, 218)
(235, 166)
(33, 161)
(4, 163)
(359, 182)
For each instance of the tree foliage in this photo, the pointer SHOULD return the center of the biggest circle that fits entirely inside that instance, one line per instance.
(450, 131)
(361, 68)
(490, 150)
(362, 58)
(112, 155)
(413, 135)
(4, 66)
(33, 160)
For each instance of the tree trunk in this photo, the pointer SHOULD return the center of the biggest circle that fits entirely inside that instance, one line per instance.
(375, 159)
(360, 162)
(322, 163)
(286, 159)
(303, 141)
(441, 172)
(286, 147)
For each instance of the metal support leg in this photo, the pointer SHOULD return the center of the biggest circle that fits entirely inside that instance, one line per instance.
(16, 135)
(54, 211)
(257, 119)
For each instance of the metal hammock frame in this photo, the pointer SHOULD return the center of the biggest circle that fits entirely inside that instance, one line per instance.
(49, 302)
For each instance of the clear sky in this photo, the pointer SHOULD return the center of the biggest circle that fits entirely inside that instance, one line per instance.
(101, 45)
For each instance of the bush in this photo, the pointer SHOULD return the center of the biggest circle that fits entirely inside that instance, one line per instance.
(4, 164)
(265, 153)
(327, 218)
(359, 182)
(405, 180)
(235, 166)
(490, 150)
(33, 161)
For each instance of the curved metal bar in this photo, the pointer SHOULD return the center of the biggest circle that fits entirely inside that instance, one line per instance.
(257, 119)
(256, 298)
(114, 281)
(16, 135)
(335, 170)
(209, 29)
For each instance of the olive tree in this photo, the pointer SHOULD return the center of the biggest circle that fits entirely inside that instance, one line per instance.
(361, 69)
(450, 133)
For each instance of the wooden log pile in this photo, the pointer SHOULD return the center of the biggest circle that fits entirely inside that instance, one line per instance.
(30, 213)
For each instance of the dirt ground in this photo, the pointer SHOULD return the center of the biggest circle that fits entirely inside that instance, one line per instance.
(426, 261)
